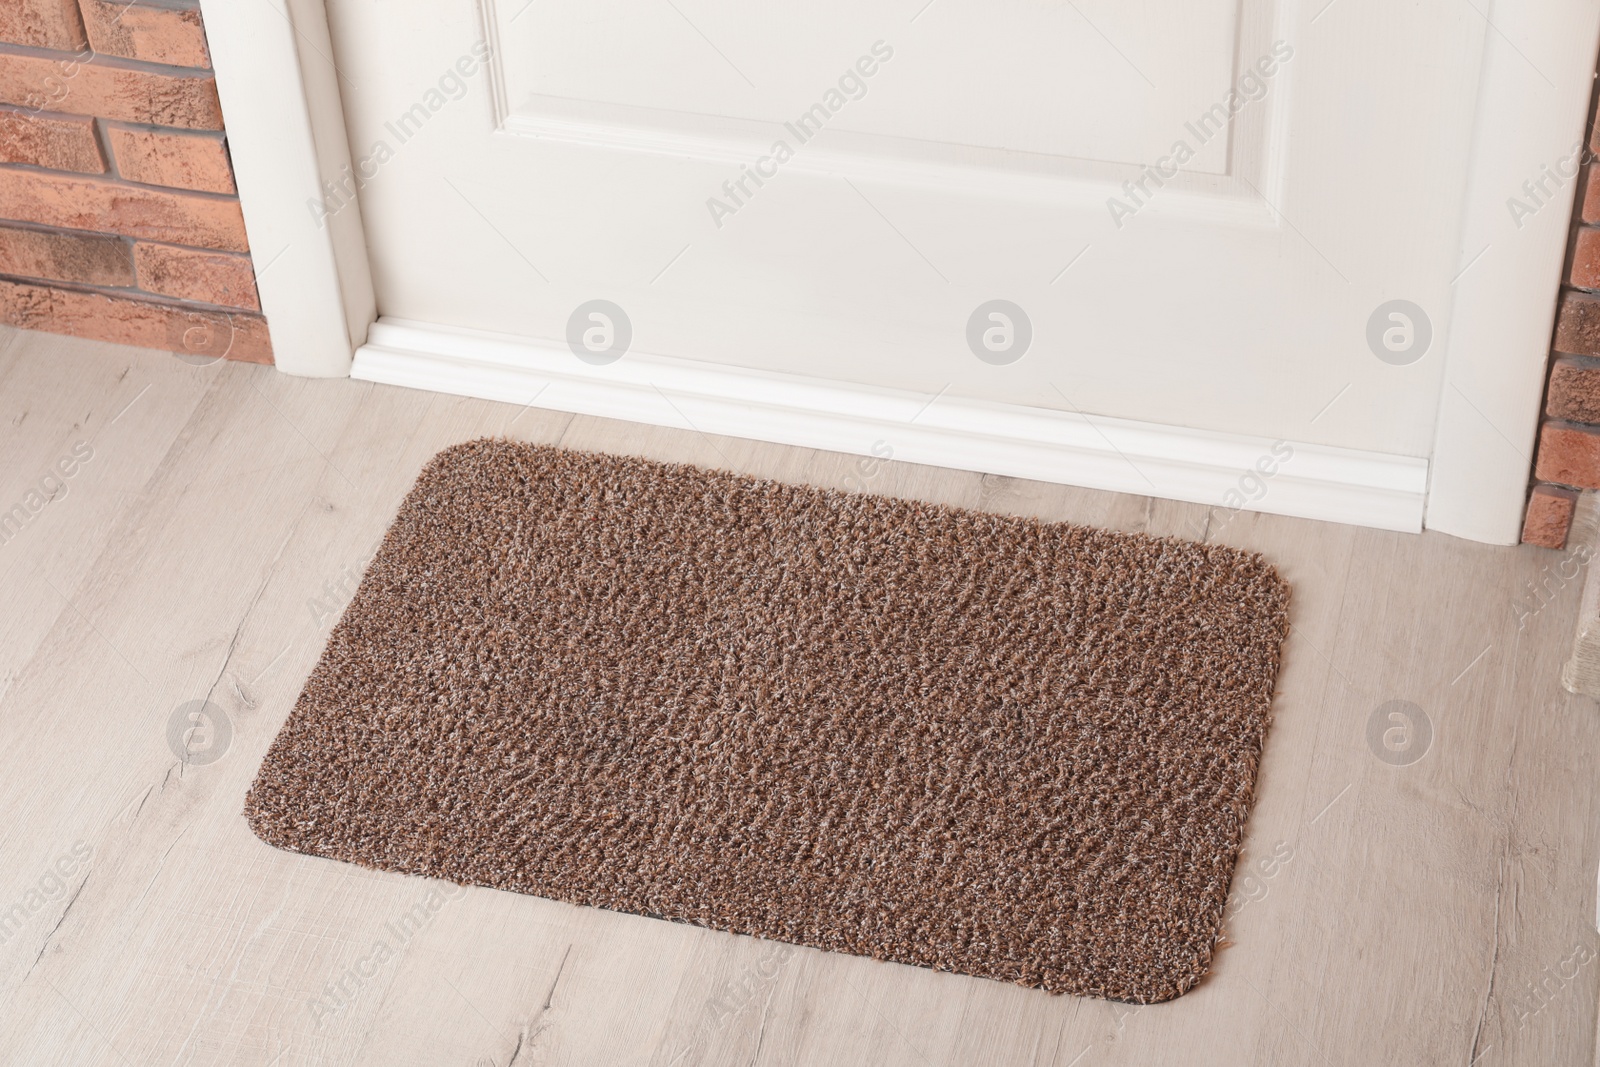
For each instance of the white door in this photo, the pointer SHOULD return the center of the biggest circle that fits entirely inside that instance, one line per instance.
(942, 227)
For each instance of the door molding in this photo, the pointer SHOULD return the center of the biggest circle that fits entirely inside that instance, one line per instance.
(1226, 471)
(280, 94)
(1498, 342)
(285, 127)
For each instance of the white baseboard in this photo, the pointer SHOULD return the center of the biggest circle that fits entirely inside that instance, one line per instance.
(1202, 466)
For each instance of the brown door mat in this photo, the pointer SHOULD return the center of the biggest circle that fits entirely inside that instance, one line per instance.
(990, 745)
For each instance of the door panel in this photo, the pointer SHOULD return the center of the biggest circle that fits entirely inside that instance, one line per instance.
(647, 65)
(599, 154)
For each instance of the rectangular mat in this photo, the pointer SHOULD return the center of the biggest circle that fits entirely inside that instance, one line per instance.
(988, 745)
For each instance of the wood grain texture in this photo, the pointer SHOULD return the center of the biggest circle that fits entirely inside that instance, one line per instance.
(1382, 913)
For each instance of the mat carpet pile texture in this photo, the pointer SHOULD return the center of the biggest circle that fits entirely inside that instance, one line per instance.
(989, 745)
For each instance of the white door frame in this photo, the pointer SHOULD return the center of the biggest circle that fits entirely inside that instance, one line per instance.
(1529, 117)
(280, 94)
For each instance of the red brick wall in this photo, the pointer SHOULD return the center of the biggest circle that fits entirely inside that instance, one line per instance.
(118, 214)
(1567, 456)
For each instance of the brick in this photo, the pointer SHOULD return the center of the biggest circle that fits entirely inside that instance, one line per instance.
(204, 277)
(42, 24)
(1569, 455)
(131, 321)
(1578, 325)
(152, 34)
(1590, 210)
(1549, 516)
(179, 160)
(60, 142)
(1574, 393)
(1594, 125)
(85, 258)
(1586, 260)
(79, 203)
(100, 87)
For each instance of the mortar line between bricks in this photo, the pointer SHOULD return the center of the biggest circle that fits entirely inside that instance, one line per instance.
(122, 183)
(169, 188)
(152, 127)
(44, 115)
(104, 60)
(171, 244)
(69, 231)
(61, 116)
(140, 296)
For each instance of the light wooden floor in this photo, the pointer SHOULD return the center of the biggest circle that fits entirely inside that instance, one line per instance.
(1397, 914)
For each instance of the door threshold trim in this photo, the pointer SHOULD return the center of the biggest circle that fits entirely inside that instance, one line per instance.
(1094, 451)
